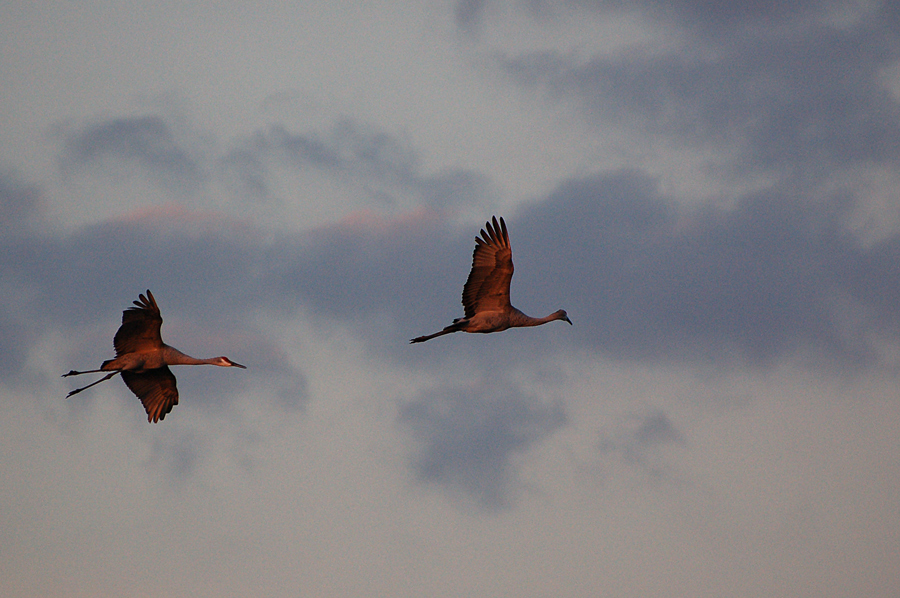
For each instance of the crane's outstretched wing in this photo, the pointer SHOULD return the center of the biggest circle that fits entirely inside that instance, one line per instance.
(487, 288)
(140, 327)
(156, 389)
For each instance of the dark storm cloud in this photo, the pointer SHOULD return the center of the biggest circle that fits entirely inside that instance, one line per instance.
(797, 101)
(468, 436)
(646, 432)
(101, 261)
(655, 429)
(455, 187)
(147, 142)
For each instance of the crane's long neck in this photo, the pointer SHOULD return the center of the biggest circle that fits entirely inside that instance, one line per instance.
(544, 320)
(519, 319)
(175, 357)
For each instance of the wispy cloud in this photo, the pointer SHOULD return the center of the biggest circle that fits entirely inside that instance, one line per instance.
(644, 443)
(468, 13)
(146, 142)
(468, 437)
(19, 202)
(385, 166)
(797, 104)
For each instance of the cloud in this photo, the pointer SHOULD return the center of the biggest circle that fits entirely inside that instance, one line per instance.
(383, 165)
(705, 18)
(709, 15)
(799, 103)
(364, 267)
(789, 104)
(197, 266)
(468, 13)
(642, 443)
(147, 142)
(349, 147)
(177, 453)
(353, 163)
(248, 172)
(761, 281)
(14, 344)
(648, 431)
(774, 277)
(468, 437)
(19, 202)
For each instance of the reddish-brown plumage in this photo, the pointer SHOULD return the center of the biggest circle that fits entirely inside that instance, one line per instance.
(485, 295)
(143, 359)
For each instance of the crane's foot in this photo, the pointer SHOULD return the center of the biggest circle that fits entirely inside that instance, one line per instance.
(71, 373)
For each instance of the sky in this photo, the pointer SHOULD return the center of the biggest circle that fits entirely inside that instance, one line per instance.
(710, 189)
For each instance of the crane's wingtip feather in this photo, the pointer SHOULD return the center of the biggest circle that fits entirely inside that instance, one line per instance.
(494, 233)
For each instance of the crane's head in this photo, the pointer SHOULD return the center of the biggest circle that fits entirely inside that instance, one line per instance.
(562, 315)
(227, 363)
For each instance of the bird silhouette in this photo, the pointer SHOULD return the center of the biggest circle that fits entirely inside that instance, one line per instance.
(143, 359)
(485, 296)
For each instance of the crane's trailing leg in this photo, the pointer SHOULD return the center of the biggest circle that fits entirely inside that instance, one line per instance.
(75, 373)
(78, 390)
(455, 327)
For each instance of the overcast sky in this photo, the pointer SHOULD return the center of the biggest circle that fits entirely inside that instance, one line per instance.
(710, 189)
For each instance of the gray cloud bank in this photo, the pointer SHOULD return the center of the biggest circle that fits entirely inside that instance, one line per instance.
(769, 276)
(641, 277)
(763, 276)
(774, 276)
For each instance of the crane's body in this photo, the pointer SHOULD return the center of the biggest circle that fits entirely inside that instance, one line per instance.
(153, 359)
(142, 358)
(485, 295)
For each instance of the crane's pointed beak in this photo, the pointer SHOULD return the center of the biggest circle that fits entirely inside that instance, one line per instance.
(237, 365)
(568, 320)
